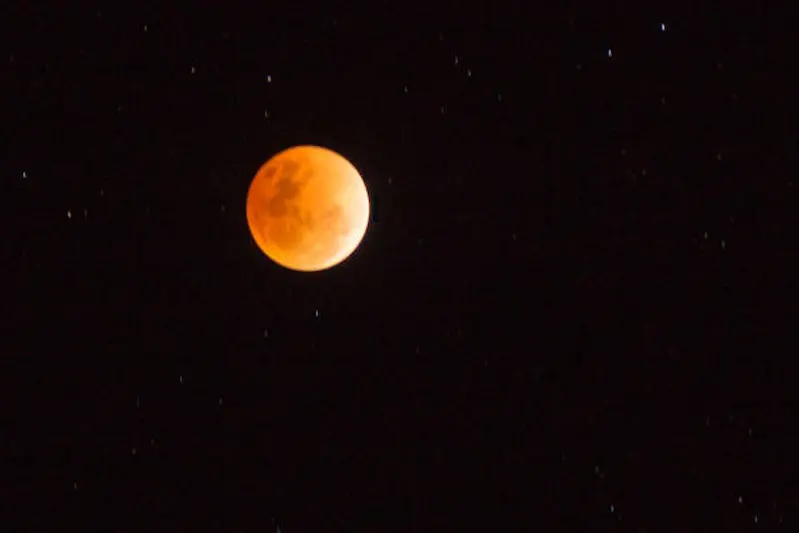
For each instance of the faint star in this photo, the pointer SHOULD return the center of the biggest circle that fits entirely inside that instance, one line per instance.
(69, 213)
(610, 53)
(662, 26)
(24, 175)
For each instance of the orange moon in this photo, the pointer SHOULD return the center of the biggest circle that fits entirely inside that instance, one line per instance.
(307, 208)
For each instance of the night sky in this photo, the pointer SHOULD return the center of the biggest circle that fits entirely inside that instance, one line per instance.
(574, 308)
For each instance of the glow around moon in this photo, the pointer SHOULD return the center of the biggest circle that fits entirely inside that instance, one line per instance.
(307, 208)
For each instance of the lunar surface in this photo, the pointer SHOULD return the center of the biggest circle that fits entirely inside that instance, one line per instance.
(307, 208)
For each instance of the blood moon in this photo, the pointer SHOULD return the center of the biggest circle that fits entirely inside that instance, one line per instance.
(307, 208)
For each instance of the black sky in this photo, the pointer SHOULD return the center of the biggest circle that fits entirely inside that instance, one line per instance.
(574, 308)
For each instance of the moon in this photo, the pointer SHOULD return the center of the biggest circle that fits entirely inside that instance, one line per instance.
(307, 208)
